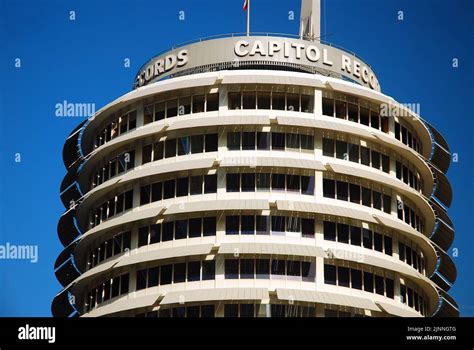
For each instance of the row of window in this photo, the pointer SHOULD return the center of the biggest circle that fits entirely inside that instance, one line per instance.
(409, 177)
(114, 167)
(245, 310)
(411, 298)
(180, 106)
(355, 112)
(252, 140)
(179, 229)
(248, 182)
(407, 214)
(203, 311)
(357, 236)
(107, 290)
(345, 191)
(355, 153)
(118, 244)
(266, 268)
(266, 225)
(404, 135)
(179, 147)
(112, 207)
(411, 257)
(281, 101)
(176, 273)
(358, 279)
(180, 187)
(117, 127)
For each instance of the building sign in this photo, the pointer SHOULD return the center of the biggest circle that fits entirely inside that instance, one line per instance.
(264, 50)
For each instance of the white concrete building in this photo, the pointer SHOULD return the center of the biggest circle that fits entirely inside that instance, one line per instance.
(255, 176)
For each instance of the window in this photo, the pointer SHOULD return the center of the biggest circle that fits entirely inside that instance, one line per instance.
(153, 276)
(211, 142)
(353, 112)
(278, 224)
(184, 146)
(341, 150)
(389, 288)
(343, 276)
(307, 142)
(170, 148)
(182, 185)
(262, 268)
(210, 184)
(198, 103)
(262, 225)
(378, 242)
(142, 236)
(377, 200)
(368, 282)
(293, 141)
(329, 188)
(341, 110)
(231, 310)
(128, 200)
(329, 231)
(249, 100)
(385, 163)
(364, 116)
(145, 195)
(247, 268)
(160, 111)
(155, 233)
(330, 274)
(247, 224)
(328, 147)
(356, 279)
(232, 225)
(374, 120)
(354, 192)
(158, 150)
(278, 141)
(263, 140)
(342, 190)
(379, 285)
(293, 268)
(141, 279)
(366, 197)
(293, 183)
(233, 141)
(375, 160)
(213, 102)
(124, 279)
(278, 267)
(307, 185)
(293, 102)
(232, 269)
(146, 154)
(387, 204)
(248, 182)
(195, 185)
(307, 227)
(278, 182)
(278, 101)
(168, 231)
(195, 227)
(356, 235)
(328, 107)
(343, 233)
(247, 310)
(365, 156)
(179, 273)
(208, 270)
(233, 182)
(248, 141)
(388, 245)
(263, 100)
(209, 226)
(197, 144)
(166, 274)
(263, 182)
(169, 189)
(353, 153)
(367, 238)
(235, 100)
(180, 229)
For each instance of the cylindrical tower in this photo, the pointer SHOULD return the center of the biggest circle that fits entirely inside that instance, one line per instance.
(255, 176)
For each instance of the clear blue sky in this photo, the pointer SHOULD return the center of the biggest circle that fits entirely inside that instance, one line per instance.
(82, 61)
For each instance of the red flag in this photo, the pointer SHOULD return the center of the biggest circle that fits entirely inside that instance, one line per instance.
(246, 5)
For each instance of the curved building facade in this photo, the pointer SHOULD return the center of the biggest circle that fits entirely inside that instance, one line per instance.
(255, 176)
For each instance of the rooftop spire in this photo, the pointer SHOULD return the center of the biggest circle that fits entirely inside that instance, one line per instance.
(310, 20)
